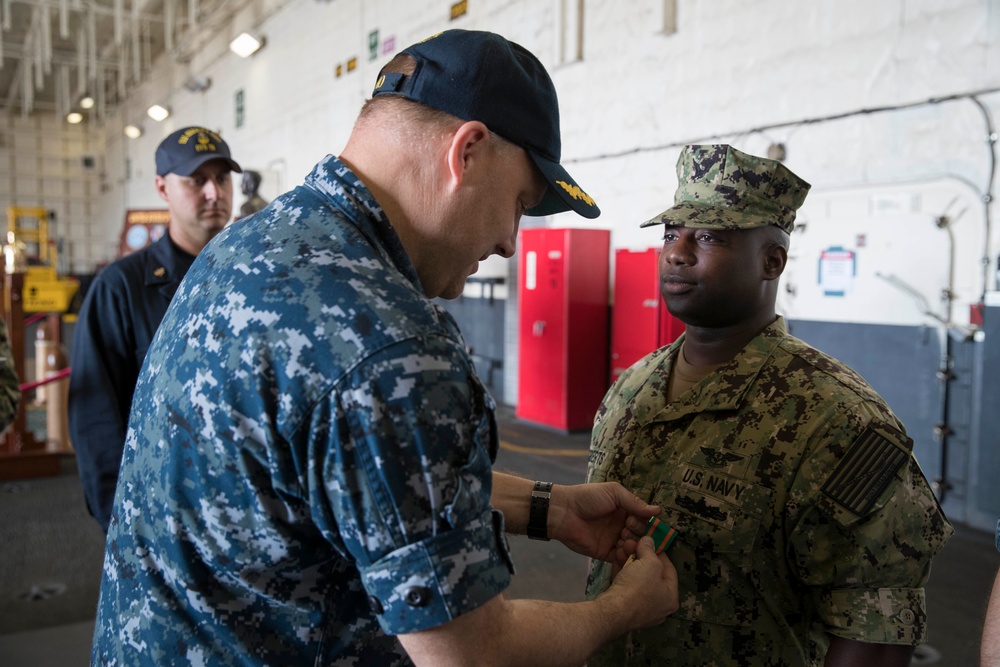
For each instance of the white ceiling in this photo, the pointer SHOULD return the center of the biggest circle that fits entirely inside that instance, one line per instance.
(56, 51)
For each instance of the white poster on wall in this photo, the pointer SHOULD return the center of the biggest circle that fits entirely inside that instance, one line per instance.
(837, 268)
(875, 269)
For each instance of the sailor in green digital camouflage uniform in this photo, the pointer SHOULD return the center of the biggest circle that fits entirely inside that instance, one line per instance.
(989, 645)
(10, 391)
(805, 526)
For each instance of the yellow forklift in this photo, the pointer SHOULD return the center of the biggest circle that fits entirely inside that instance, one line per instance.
(33, 291)
(29, 250)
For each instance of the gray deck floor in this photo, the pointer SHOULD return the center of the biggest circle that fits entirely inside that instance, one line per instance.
(51, 553)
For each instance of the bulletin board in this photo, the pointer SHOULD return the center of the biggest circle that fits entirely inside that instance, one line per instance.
(142, 227)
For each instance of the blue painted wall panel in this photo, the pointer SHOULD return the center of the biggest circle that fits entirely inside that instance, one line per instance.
(900, 363)
(986, 473)
(482, 324)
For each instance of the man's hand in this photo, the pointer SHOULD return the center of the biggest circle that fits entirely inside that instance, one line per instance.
(534, 632)
(628, 542)
(647, 586)
(594, 520)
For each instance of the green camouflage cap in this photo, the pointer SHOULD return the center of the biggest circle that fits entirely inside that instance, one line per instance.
(719, 187)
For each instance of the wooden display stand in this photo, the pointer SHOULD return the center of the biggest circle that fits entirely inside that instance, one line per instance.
(21, 455)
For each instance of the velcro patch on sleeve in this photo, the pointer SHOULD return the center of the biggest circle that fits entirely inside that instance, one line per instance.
(865, 472)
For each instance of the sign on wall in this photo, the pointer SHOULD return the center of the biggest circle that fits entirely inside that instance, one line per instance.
(142, 227)
(239, 108)
(459, 9)
(837, 268)
(861, 269)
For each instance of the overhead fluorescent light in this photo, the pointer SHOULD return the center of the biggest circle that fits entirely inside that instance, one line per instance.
(74, 117)
(133, 131)
(87, 102)
(245, 45)
(157, 112)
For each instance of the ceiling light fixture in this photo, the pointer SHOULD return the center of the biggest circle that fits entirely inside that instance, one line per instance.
(87, 102)
(246, 45)
(74, 117)
(157, 112)
(197, 84)
(132, 131)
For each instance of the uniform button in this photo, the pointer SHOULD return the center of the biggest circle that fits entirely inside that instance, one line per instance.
(374, 604)
(907, 616)
(416, 596)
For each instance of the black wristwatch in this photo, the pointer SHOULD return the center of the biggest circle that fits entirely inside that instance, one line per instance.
(538, 517)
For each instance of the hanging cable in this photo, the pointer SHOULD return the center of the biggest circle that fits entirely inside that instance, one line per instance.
(991, 140)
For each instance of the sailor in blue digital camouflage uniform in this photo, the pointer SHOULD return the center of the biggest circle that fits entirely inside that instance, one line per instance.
(127, 300)
(307, 470)
(805, 528)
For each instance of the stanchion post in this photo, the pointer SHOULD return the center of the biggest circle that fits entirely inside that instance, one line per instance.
(20, 454)
(56, 403)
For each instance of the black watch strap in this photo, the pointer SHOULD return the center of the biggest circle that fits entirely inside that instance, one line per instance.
(538, 516)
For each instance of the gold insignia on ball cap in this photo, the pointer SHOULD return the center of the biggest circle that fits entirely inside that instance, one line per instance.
(575, 192)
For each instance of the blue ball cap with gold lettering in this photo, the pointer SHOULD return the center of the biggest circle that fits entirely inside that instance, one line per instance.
(477, 75)
(186, 149)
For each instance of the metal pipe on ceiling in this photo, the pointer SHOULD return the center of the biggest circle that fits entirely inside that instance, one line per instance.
(64, 19)
(119, 21)
(45, 25)
(169, 10)
(131, 52)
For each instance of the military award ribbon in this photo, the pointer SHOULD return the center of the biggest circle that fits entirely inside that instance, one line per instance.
(663, 535)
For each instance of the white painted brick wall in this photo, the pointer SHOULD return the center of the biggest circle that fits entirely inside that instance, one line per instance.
(41, 165)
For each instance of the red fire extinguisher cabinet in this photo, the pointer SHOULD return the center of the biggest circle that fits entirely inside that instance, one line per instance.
(640, 321)
(563, 329)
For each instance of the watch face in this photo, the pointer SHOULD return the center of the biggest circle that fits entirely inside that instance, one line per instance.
(156, 232)
(136, 236)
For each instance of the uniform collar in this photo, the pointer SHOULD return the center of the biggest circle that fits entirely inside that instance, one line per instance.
(165, 262)
(336, 183)
(724, 389)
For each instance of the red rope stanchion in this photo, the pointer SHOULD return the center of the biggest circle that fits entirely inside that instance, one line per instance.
(31, 319)
(58, 375)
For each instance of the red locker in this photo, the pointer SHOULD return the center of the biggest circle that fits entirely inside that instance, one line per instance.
(563, 330)
(640, 321)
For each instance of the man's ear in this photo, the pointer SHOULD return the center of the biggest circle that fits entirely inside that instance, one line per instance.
(161, 188)
(775, 260)
(466, 150)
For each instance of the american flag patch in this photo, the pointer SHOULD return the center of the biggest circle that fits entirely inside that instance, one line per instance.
(865, 471)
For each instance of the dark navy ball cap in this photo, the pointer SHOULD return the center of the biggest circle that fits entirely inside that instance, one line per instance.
(188, 148)
(482, 76)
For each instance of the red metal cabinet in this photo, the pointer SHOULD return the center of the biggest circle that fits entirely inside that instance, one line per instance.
(640, 321)
(563, 330)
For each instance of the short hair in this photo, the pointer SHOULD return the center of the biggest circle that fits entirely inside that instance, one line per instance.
(420, 120)
(401, 107)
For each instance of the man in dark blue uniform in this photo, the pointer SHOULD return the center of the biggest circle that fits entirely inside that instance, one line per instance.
(127, 300)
